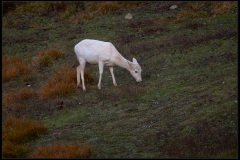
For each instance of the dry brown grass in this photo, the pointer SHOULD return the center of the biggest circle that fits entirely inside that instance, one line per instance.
(63, 82)
(52, 52)
(12, 67)
(14, 97)
(62, 151)
(12, 150)
(17, 131)
(45, 58)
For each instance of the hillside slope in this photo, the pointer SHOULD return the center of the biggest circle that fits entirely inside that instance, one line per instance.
(186, 106)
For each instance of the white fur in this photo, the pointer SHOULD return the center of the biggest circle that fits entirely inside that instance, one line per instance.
(103, 53)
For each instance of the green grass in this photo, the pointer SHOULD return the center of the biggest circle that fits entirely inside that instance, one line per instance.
(186, 106)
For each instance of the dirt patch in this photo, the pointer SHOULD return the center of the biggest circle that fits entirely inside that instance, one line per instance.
(124, 39)
(195, 25)
(142, 27)
(124, 92)
(140, 24)
(154, 30)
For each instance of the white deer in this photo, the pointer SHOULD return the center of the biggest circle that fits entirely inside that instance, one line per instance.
(103, 53)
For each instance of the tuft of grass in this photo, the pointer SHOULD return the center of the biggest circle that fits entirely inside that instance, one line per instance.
(45, 61)
(52, 52)
(192, 10)
(203, 9)
(12, 67)
(219, 8)
(13, 97)
(15, 132)
(38, 8)
(59, 150)
(63, 82)
(81, 17)
(105, 7)
(45, 58)
(12, 150)
(18, 130)
(195, 25)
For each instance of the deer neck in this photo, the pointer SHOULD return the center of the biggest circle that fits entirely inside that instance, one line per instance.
(123, 62)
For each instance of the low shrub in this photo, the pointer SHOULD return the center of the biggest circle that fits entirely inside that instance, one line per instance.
(62, 151)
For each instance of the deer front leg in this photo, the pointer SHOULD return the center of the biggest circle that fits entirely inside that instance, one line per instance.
(113, 78)
(100, 65)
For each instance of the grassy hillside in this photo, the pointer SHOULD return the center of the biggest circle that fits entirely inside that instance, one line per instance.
(186, 106)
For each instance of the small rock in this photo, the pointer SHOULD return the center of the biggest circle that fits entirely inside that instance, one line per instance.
(223, 82)
(235, 101)
(27, 84)
(79, 103)
(129, 16)
(173, 7)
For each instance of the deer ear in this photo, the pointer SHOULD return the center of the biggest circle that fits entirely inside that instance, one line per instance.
(134, 61)
(130, 64)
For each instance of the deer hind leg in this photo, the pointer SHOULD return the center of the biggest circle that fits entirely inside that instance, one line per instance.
(78, 76)
(100, 65)
(113, 78)
(82, 67)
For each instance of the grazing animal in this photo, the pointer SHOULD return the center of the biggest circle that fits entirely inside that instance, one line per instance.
(103, 53)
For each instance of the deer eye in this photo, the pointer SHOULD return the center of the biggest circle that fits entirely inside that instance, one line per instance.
(136, 71)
